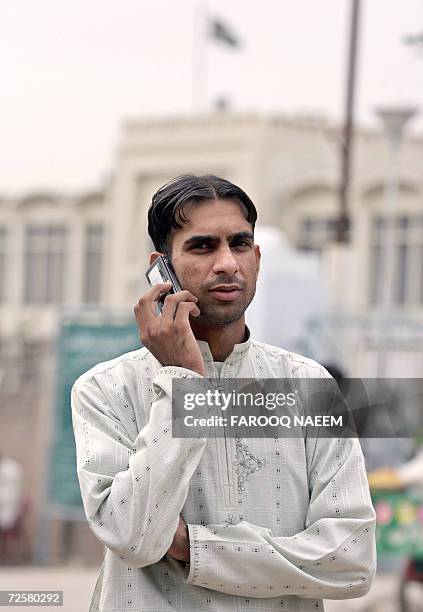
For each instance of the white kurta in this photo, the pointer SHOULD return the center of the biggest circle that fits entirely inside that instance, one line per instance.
(274, 524)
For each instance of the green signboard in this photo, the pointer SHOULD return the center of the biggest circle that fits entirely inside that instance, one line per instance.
(82, 343)
(399, 527)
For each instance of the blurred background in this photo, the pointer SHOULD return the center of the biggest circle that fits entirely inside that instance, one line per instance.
(314, 108)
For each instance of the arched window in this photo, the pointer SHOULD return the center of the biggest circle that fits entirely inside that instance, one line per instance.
(45, 264)
(403, 235)
(316, 232)
(93, 258)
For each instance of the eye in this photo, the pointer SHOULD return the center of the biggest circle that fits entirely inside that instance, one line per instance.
(242, 243)
(200, 246)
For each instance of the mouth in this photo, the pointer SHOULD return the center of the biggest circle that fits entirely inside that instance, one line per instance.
(226, 293)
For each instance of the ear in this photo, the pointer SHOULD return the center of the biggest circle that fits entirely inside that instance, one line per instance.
(154, 256)
(258, 258)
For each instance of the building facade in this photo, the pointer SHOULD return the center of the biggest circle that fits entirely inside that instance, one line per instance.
(91, 250)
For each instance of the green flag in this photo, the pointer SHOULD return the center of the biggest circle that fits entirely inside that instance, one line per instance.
(415, 39)
(221, 33)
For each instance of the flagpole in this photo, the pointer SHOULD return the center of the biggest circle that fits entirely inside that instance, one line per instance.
(199, 58)
(343, 221)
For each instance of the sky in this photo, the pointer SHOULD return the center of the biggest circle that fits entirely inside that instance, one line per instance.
(72, 71)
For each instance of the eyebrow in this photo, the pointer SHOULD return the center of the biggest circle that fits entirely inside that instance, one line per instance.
(211, 238)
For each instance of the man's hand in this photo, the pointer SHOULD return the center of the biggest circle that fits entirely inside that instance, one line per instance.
(180, 545)
(169, 337)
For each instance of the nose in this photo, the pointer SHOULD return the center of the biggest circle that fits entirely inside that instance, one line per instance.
(225, 262)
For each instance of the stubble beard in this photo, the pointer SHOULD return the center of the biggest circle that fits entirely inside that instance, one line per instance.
(223, 313)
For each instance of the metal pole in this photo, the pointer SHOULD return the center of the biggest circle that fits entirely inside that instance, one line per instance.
(343, 222)
(199, 57)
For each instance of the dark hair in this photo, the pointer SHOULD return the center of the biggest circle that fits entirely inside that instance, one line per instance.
(335, 371)
(166, 210)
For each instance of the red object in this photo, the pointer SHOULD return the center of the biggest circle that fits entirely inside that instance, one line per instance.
(12, 540)
(414, 570)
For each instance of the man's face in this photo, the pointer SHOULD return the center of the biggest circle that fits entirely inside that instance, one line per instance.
(215, 258)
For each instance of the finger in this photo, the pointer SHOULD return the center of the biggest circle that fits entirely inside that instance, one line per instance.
(172, 301)
(157, 290)
(195, 312)
(183, 311)
(147, 303)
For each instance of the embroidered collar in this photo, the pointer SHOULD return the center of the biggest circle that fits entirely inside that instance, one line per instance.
(237, 353)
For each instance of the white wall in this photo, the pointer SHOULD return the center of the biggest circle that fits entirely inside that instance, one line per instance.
(290, 291)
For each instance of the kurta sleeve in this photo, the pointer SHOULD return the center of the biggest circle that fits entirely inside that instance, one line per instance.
(132, 490)
(333, 557)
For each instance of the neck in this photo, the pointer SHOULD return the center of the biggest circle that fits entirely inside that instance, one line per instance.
(220, 338)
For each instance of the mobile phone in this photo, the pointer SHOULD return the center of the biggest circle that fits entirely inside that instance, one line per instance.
(161, 271)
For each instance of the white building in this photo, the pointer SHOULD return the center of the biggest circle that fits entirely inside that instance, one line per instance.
(93, 249)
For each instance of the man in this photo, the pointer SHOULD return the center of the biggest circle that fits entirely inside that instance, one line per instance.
(11, 492)
(12, 507)
(212, 524)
